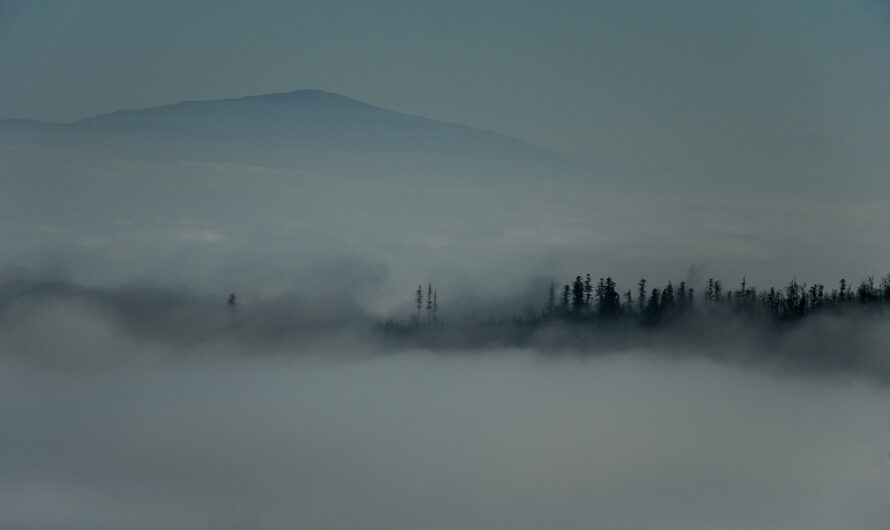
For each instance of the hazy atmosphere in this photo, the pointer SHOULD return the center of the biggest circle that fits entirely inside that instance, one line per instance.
(444, 264)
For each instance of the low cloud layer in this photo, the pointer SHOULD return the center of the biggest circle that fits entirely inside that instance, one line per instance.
(56, 323)
(505, 440)
(142, 406)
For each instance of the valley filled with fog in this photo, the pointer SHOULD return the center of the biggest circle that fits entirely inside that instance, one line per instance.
(339, 435)
(145, 407)
(136, 397)
(562, 265)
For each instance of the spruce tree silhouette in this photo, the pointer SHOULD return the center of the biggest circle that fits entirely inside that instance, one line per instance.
(577, 297)
(435, 306)
(429, 303)
(418, 301)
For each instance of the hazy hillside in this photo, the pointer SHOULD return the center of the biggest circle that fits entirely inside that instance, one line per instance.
(269, 180)
(304, 129)
(241, 193)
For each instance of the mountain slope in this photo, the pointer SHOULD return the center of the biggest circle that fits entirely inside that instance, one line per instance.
(304, 114)
(195, 186)
(306, 129)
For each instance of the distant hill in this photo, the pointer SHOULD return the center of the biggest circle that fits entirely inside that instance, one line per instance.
(197, 186)
(306, 129)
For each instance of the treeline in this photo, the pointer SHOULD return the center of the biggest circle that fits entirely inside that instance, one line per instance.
(583, 300)
(586, 300)
(783, 328)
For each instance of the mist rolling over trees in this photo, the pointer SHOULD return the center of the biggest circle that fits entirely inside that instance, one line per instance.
(190, 338)
(444, 265)
(805, 329)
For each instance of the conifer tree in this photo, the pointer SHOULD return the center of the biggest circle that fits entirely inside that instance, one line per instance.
(611, 299)
(641, 296)
(577, 297)
(601, 297)
(667, 298)
(429, 303)
(885, 288)
(435, 306)
(653, 311)
(418, 300)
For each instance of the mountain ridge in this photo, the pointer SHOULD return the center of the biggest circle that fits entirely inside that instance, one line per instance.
(328, 112)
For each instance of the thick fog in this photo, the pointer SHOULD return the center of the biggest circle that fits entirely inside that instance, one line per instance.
(502, 439)
(227, 226)
(141, 406)
(145, 407)
(135, 397)
(207, 306)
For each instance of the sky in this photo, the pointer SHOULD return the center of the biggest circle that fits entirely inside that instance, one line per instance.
(590, 78)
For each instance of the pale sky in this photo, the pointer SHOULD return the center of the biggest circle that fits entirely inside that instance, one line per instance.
(599, 79)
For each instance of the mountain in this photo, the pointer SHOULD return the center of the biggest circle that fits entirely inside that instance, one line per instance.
(306, 129)
(266, 181)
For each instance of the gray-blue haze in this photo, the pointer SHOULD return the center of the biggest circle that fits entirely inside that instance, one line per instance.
(678, 141)
(502, 439)
(251, 195)
(781, 91)
(736, 139)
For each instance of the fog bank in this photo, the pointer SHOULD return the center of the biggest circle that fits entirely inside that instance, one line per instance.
(506, 440)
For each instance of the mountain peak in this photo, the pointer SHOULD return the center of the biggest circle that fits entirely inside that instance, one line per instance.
(302, 124)
(313, 94)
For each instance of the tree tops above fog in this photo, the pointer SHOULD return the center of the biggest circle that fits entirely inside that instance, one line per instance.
(582, 300)
(585, 300)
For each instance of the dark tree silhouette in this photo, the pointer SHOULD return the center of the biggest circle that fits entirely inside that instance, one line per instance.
(641, 296)
(611, 300)
(653, 311)
(885, 288)
(578, 297)
(667, 297)
(418, 301)
(661, 307)
(429, 303)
